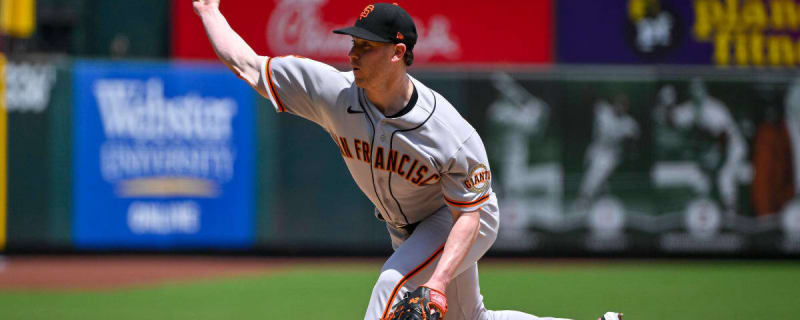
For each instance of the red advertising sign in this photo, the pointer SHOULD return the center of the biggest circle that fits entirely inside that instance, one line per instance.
(450, 31)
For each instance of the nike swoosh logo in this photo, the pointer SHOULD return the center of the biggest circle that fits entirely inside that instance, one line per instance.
(350, 110)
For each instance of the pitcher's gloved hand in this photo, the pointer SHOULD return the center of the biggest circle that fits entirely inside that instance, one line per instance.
(421, 304)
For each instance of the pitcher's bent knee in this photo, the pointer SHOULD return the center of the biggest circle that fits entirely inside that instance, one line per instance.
(386, 282)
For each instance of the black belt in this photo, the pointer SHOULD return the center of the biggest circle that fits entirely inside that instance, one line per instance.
(409, 228)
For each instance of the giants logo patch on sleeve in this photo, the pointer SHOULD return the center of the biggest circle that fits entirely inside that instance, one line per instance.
(478, 179)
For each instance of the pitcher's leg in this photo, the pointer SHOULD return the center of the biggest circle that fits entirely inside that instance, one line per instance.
(414, 259)
(465, 301)
(516, 315)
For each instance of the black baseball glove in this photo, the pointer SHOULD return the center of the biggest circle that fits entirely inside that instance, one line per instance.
(421, 304)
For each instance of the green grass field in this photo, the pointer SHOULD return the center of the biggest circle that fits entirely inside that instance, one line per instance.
(579, 290)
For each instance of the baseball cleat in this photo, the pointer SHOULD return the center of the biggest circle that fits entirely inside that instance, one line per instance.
(611, 316)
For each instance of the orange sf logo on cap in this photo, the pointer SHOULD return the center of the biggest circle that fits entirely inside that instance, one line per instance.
(366, 12)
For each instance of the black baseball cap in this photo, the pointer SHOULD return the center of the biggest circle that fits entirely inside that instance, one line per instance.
(384, 22)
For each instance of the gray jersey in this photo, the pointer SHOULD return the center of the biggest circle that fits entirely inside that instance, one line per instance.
(409, 165)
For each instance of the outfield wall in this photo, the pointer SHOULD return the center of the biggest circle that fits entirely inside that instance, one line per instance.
(144, 156)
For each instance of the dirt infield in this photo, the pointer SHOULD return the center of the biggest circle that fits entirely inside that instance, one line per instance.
(99, 272)
(106, 272)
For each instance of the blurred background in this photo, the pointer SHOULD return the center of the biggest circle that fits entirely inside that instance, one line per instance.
(622, 128)
(636, 127)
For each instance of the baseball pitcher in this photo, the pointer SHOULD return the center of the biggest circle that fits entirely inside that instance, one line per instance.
(419, 162)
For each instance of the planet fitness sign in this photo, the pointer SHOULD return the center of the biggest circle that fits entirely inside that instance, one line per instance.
(706, 32)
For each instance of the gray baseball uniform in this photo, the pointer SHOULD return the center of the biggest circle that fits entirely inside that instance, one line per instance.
(413, 166)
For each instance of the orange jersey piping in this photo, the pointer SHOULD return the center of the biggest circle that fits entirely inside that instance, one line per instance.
(467, 204)
(403, 281)
(272, 91)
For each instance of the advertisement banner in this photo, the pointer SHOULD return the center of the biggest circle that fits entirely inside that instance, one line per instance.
(450, 31)
(704, 32)
(163, 156)
(30, 100)
(609, 164)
